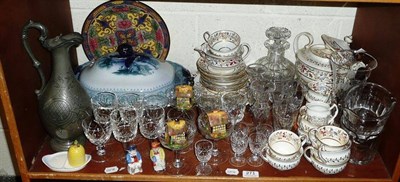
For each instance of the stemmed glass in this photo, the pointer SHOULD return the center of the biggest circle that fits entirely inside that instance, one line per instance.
(103, 104)
(239, 144)
(152, 122)
(203, 151)
(124, 130)
(98, 134)
(215, 132)
(176, 137)
(235, 104)
(256, 143)
(129, 106)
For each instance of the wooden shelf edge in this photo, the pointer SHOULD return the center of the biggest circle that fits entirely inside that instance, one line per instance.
(144, 177)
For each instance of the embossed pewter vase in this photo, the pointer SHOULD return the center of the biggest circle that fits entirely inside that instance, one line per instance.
(63, 103)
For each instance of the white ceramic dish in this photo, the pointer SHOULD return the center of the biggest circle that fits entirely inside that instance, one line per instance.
(59, 162)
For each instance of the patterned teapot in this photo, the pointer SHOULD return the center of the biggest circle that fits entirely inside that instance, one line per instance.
(314, 64)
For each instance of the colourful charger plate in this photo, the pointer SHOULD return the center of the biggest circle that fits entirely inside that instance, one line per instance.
(116, 22)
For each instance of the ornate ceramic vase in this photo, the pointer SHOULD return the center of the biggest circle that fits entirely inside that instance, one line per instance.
(62, 101)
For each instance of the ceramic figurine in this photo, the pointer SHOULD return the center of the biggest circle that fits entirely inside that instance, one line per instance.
(134, 160)
(157, 156)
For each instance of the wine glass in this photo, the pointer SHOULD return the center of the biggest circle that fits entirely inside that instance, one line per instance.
(215, 131)
(239, 144)
(98, 134)
(175, 114)
(130, 109)
(159, 100)
(177, 136)
(124, 130)
(152, 122)
(235, 104)
(103, 103)
(203, 151)
(256, 143)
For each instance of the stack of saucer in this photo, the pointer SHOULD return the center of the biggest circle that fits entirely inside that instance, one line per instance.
(222, 79)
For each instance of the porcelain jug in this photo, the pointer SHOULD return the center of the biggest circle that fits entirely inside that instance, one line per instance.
(63, 103)
(314, 61)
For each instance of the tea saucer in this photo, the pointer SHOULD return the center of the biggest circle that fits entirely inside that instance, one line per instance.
(59, 162)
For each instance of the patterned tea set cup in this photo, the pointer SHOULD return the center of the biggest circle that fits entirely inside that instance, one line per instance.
(221, 64)
(330, 149)
(315, 114)
(284, 149)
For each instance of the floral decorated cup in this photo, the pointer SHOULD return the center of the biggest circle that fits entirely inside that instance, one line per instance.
(267, 156)
(329, 138)
(329, 157)
(323, 167)
(320, 113)
(225, 43)
(285, 145)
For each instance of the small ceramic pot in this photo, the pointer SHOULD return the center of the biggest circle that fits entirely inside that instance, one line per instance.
(279, 164)
(323, 167)
(285, 145)
(320, 113)
(331, 138)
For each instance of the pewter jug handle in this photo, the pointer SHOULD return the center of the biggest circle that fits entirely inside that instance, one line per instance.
(296, 41)
(42, 38)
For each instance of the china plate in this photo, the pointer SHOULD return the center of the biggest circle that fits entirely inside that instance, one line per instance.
(115, 22)
(59, 162)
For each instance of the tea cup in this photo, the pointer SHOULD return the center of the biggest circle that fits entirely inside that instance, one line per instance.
(304, 124)
(284, 145)
(330, 157)
(323, 167)
(279, 164)
(225, 43)
(320, 113)
(330, 138)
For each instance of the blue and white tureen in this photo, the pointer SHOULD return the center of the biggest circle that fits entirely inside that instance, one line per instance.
(127, 71)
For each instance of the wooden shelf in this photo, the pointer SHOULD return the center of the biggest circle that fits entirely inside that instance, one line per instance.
(375, 171)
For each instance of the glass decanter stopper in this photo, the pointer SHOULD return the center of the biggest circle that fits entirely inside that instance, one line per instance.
(279, 68)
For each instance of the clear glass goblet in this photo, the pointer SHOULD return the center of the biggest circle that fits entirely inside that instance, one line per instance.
(203, 151)
(124, 131)
(177, 142)
(130, 109)
(215, 133)
(98, 134)
(235, 104)
(239, 143)
(256, 142)
(103, 104)
(152, 122)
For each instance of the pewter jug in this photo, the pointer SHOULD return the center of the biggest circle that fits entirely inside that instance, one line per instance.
(63, 103)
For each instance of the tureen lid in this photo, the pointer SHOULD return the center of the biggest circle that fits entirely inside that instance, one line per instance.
(128, 71)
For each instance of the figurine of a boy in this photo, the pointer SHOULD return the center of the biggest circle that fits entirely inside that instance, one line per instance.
(134, 160)
(157, 156)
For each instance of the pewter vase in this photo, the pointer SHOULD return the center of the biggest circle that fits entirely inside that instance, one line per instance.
(63, 103)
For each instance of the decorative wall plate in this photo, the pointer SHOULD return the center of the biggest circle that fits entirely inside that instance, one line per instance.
(115, 22)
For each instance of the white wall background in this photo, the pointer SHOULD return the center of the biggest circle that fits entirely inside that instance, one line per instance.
(188, 21)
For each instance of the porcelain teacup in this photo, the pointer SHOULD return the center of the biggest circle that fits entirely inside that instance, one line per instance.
(328, 157)
(284, 145)
(320, 113)
(323, 167)
(225, 43)
(279, 164)
(329, 138)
